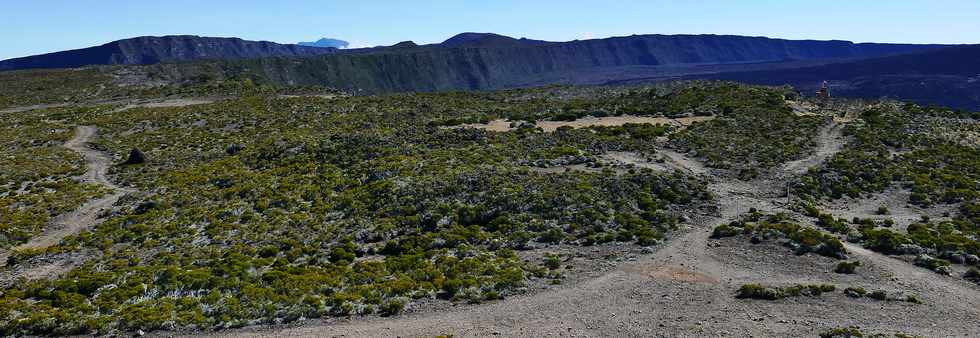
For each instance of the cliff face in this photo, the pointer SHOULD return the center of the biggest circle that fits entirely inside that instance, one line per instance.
(484, 61)
(151, 50)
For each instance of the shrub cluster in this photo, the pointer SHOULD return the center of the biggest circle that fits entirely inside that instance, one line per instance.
(757, 291)
(801, 239)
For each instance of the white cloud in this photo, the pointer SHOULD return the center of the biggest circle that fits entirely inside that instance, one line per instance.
(360, 44)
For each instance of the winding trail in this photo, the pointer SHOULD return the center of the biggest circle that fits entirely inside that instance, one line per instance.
(82, 218)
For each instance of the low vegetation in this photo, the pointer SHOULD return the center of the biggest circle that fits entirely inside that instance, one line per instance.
(732, 140)
(759, 227)
(903, 147)
(757, 291)
(847, 267)
(761, 292)
(264, 209)
(855, 332)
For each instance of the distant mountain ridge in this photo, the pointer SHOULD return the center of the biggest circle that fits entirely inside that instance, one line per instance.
(486, 61)
(152, 49)
(542, 55)
(479, 61)
(326, 43)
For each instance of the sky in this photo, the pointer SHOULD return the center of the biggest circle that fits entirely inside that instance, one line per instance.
(42, 26)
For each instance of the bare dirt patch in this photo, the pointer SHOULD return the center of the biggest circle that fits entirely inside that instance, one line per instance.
(622, 161)
(181, 102)
(613, 121)
(608, 121)
(322, 96)
(672, 273)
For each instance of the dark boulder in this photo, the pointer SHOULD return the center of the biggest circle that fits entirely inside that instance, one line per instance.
(136, 156)
(234, 149)
(145, 206)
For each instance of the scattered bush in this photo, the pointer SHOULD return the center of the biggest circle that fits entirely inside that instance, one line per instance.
(847, 267)
(855, 292)
(552, 261)
(757, 291)
(935, 264)
(392, 307)
(842, 332)
(972, 275)
(724, 230)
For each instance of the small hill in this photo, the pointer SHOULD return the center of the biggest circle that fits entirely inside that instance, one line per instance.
(487, 40)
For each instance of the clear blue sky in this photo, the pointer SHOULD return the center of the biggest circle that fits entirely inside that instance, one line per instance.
(30, 27)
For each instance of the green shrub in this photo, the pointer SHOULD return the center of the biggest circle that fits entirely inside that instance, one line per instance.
(828, 222)
(847, 267)
(878, 295)
(883, 240)
(552, 261)
(392, 307)
(972, 275)
(756, 291)
(934, 264)
(724, 230)
(552, 235)
(855, 292)
(842, 332)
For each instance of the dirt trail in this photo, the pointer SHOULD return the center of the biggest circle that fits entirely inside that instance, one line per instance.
(85, 216)
(29, 108)
(683, 162)
(829, 142)
(686, 287)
